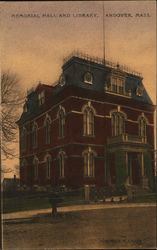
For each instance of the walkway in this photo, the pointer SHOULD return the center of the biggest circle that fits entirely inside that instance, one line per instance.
(30, 213)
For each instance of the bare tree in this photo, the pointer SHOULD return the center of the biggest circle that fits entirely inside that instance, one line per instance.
(11, 101)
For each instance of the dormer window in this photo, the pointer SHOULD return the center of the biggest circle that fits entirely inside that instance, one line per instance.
(62, 80)
(118, 85)
(41, 98)
(88, 77)
(115, 83)
(139, 91)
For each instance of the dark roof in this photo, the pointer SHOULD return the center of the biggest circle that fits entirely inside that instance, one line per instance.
(74, 70)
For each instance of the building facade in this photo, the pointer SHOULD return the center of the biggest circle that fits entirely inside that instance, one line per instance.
(95, 126)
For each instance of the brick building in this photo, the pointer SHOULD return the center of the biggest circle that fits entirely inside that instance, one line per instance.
(95, 126)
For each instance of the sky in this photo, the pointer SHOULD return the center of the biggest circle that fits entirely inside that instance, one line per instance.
(34, 47)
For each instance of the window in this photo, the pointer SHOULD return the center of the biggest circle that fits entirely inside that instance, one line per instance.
(48, 130)
(61, 121)
(118, 123)
(88, 77)
(41, 98)
(88, 121)
(62, 80)
(23, 138)
(142, 127)
(139, 90)
(35, 164)
(48, 167)
(34, 135)
(61, 159)
(117, 85)
(89, 162)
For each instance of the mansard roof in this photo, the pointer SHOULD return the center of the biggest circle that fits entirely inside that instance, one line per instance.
(74, 69)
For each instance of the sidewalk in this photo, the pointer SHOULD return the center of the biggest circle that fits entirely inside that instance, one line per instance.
(31, 213)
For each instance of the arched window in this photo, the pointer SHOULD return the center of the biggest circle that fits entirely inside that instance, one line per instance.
(88, 77)
(118, 123)
(48, 166)
(35, 168)
(88, 116)
(35, 135)
(61, 121)
(61, 159)
(23, 138)
(89, 163)
(142, 126)
(47, 124)
(41, 97)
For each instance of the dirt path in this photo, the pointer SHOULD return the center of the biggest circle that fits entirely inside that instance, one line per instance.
(104, 228)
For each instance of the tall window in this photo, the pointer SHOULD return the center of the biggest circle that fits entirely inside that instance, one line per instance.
(118, 85)
(142, 127)
(41, 97)
(48, 167)
(89, 162)
(88, 121)
(61, 159)
(118, 124)
(48, 130)
(23, 138)
(61, 120)
(35, 164)
(35, 135)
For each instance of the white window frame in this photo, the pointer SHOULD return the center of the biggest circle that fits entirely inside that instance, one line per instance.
(61, 163)
(48, 167)
(89, 163)
(85, 79)
(61, 122)
(118, 123)
(142, 127)
(118, 85)
(88, 120)
(41, 97)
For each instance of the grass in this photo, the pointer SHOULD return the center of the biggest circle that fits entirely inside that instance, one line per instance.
(33, 202)
(24, 203)
(145, 198)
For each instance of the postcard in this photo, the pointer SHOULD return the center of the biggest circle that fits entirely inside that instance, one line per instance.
(78, 125)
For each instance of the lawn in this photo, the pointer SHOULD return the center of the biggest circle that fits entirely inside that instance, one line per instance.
(36, 201)
(145, 198)
(119, 228)
(24, 202)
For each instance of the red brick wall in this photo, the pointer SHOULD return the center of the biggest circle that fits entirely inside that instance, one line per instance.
(74, 134)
